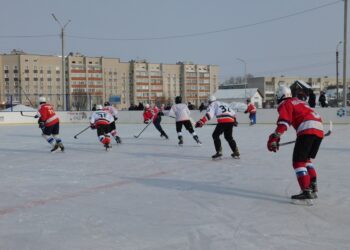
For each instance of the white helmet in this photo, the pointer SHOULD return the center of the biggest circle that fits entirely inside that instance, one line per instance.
(147, 106)
(282, 93)
(42, 99)
(211, 99)
(99, 107)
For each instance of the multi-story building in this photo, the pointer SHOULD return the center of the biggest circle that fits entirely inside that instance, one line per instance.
(268, 85)
(93, 80)
(160, 83)
(26, 77)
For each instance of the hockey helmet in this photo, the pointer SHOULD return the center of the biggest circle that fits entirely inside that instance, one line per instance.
(42, 99)
(211, 99)
(248, 100)
(178, 99)
(282, 93)
(147, 106)
(106, 103)
(99, 107)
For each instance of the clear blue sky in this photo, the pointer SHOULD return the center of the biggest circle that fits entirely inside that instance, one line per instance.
(298, 45)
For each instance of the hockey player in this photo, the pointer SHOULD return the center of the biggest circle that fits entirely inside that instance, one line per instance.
(251, 109)
(113, 111)
(49, 124)
(154, 115)
(100, 120)
(182, 118)
(226, 120)
(309, 129)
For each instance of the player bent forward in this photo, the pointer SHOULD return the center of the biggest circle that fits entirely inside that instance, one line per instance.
(49, 124)
(226, 120)
(114, 112)
(309, 128)
(100, 120)
(182, 117)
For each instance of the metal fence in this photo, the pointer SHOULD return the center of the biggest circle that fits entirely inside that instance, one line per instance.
(60, 102)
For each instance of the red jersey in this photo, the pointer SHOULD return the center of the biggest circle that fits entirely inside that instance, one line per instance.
(150, 113)
(295, 112)
(47, 114)
(251, 108)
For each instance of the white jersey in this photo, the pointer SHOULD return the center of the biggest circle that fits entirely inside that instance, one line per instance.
(180, 111)
(221, 111)
(101, 117)
(110, 109)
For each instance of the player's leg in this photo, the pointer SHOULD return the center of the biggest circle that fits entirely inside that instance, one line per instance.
(219, 129)
(229, 138)
(310, 166)
(103, 135)
(56, 136)
(113, 132)
(156, 123)
(179, 132)
(188, 125)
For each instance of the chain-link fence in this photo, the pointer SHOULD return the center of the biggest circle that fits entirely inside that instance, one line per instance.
(71, 102)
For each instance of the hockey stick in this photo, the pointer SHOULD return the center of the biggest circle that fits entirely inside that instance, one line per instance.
(26, 115)
(328, 133)
(137, 136)
(76, 136)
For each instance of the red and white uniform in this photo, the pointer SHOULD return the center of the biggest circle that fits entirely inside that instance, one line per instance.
(222, 112)
(295, 112)
(251, 109)
(101, 117)
(180, 111)
(110, 109)
(150, 113)
(47, 114)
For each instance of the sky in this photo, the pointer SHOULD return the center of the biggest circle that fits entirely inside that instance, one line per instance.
(272, 37)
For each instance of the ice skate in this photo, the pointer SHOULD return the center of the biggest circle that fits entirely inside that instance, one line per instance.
(117, 139)
(304, 198)
(165, 135)
(181, 142)
(107, 146)
(217, 156)
(60, 145)
(55, 147)
(236, 154)
(197, 139)
(313, 187)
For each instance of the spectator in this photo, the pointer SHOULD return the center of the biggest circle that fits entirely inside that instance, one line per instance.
(202, 107)
(312, 99)
(323, 100)
(93, 107)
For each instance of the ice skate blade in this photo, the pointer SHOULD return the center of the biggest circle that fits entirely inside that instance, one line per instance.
(305, 202)
(217, 158)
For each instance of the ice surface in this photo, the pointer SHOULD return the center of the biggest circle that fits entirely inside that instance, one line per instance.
(150, 194)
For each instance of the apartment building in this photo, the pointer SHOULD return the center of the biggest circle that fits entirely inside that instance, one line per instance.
(160, 83)
(93, 80)
(26, 77)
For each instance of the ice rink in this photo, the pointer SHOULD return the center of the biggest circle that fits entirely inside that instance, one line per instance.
(150, 194)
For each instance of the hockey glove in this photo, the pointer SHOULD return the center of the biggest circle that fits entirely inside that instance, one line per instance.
(92, 126)
(245, 112)
(160, 113)
(147, 121)
(115, 118)
(41, 125)
(199, 124)
(273, 142)
(36, 116)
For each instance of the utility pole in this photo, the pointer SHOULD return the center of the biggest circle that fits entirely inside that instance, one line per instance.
(345, 52)
(65, 88)
(337, 62)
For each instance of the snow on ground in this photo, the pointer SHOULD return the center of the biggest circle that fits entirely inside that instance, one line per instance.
(150, 194)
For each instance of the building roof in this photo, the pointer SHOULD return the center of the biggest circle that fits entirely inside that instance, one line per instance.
(235, 93)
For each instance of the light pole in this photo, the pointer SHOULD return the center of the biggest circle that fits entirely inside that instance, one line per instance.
(245, 76)
(345, 52)
(337, 62)
(64, 85)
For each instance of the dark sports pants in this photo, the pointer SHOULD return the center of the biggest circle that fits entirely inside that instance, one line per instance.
(186, 123)
(306, 147)
(156, 123)
(225, 128)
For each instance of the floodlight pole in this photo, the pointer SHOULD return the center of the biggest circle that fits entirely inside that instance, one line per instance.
(65, 89)
(337, 71)
(345, 53)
